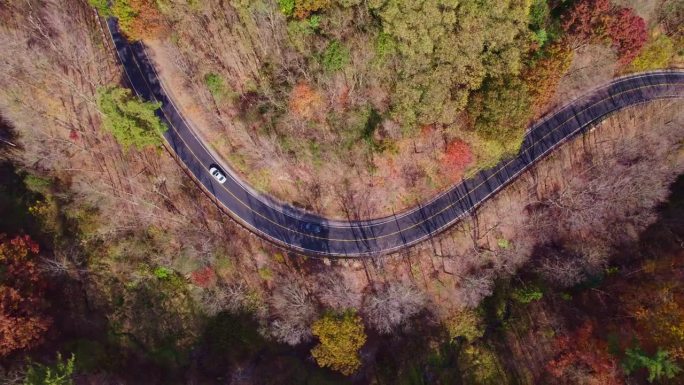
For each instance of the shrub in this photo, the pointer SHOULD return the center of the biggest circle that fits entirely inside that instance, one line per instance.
(132, 122)
(341, 336)
(215, 85)
(306, 102)
(58, 374)
(204, 277)
(162, 272)
(335, 57)
(527, 294)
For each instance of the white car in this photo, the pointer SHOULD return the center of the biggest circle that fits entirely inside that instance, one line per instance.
(216, 172)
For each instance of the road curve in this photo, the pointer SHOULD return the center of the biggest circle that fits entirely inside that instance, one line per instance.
(292, 227)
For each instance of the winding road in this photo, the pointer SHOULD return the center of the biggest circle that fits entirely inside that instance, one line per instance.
(308, 233)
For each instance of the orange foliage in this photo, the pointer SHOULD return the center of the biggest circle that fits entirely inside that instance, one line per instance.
(457, 155)
(655, 300)
(22, 324)
(543, 77)
(147, 21)
(305, 102)
(303, 8)
(581, 350)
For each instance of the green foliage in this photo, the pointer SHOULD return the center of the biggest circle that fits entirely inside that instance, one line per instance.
(446, 49)
(123, 11)
(132, 122)
(501, 110)
(541, 37)
(58, 374)
(384, 46)
(217, 87)
(102, 7)
(503, 243)
(539, 14)
(162, 272)
(335, 57)
(287, 7)
(314, 22)
(527, 294)
(659, 366)
(265, 273)
(655, 55)
(340, 336)
(37, 184)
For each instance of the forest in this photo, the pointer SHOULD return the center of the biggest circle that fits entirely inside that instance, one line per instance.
(116, 268)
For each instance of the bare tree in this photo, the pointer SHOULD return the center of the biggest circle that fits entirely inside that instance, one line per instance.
(231, 298)
(332, 290)
(392, 305)
(562, 270)
(294, 311)
(474, 288)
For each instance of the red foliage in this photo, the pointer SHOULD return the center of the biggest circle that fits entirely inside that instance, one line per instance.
(204, 277)
(458, 155)
(22, 323)
(587, 19)
(599, 19)
(581, 352)
(628, 33)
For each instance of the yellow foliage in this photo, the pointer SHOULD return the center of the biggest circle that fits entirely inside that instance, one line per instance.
(466, 324)
(341, 336)
(655, 55)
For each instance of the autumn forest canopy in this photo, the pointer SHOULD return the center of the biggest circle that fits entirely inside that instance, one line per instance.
(116, 268)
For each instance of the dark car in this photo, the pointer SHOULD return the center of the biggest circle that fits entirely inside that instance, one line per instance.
(312, 228)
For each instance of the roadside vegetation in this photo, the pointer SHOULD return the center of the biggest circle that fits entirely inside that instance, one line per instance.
(322, 103)
(116, 268)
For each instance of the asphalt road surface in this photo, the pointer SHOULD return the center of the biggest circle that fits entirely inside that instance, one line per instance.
(308, 233)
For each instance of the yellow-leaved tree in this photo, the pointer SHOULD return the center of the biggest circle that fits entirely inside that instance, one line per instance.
(341, 336)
